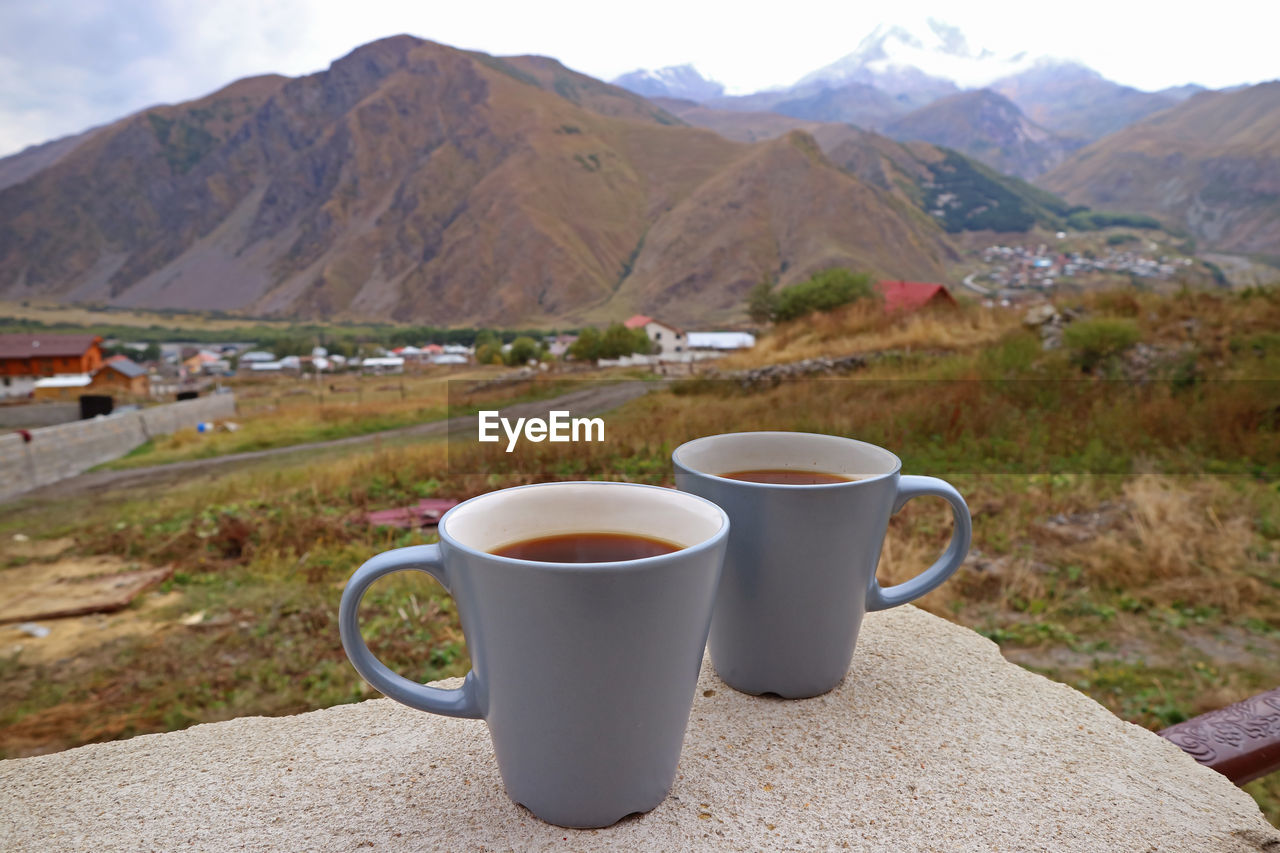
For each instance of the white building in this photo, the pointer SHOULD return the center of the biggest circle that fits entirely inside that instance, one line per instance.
(721, 341)
(667, 339)
(383, 364)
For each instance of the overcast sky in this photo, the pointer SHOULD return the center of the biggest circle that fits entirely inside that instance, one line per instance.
(66, 65)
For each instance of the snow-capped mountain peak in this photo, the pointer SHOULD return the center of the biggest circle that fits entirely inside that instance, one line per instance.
(930, 46)
(674, 81)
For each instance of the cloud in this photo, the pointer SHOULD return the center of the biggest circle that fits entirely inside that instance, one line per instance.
(66, 65)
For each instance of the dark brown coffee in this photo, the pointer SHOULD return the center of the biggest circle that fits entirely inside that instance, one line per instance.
(586, 548)
(788, 477)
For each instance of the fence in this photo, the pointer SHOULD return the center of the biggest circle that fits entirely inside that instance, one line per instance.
(57, 452)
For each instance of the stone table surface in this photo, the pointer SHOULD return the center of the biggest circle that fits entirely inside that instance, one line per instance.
(933, 742)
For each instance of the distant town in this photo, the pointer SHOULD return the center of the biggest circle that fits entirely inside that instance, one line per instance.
(1013, 271)
(51, 367)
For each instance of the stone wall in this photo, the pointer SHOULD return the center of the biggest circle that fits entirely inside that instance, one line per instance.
(57, 452)
(28, 415)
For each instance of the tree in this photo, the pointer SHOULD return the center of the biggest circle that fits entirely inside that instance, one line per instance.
(587, 346)
(762, 302)
(290, 345)
(522, 350)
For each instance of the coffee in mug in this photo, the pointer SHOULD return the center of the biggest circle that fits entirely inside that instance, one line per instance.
(787, 477)
(586, 548)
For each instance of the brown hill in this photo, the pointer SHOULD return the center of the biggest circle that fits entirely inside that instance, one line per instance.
(738, 125)
(1210, 164)
(16, 168)
(781, 212)
(855, 103)
(417, 182)
(955, 191)
(987, 127)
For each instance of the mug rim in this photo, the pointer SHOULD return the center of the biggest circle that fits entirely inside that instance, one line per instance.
(676, 461)
(636, 564)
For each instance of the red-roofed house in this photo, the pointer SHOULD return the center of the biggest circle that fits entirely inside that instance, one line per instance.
(913, 295)
(668, 339)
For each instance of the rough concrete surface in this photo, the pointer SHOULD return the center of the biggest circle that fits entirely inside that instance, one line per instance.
(933, 742)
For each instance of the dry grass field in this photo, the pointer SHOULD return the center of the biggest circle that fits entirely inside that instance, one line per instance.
(53, 313)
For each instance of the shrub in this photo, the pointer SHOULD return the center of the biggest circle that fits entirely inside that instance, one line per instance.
(827, 290)
(1092, 342)
(618, 341)
(615, 342)
(488, 353)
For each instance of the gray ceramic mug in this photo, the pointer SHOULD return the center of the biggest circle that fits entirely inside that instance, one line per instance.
(584, 672)
(800, 571)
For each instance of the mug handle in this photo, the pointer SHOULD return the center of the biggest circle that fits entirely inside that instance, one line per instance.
(879, 598)
(460, 702)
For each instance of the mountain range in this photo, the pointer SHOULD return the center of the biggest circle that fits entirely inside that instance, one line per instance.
(418, 182)
(414, 181)
(1019, 114)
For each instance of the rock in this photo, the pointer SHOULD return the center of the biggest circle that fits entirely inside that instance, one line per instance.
(1040, 315)
(31, 629)
(772, 374)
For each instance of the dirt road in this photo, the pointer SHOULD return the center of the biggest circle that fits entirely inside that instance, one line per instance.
(599, 397)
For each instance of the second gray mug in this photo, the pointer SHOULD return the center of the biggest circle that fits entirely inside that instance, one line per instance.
(800, 571)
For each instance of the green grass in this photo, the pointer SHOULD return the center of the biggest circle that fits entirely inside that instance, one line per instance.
(266, 433)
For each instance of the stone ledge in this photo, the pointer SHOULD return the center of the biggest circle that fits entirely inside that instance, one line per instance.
(933, 742)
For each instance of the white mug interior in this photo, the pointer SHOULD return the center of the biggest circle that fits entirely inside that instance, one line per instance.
(502, 518)
(729, 453)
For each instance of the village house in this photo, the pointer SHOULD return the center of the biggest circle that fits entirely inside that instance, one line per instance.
(913, 295)
(26, 359)
(121, 375)
(666, 339)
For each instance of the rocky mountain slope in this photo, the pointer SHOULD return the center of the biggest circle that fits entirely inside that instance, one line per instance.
(988, 127)
(1210, 165)
(1078, 102)
(413, 181)
(957, 191)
